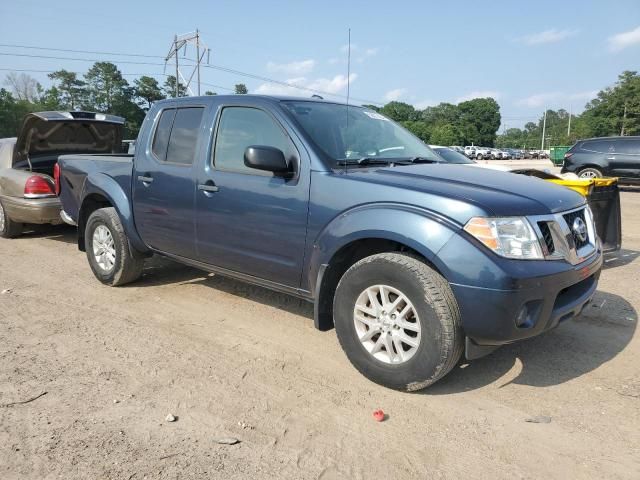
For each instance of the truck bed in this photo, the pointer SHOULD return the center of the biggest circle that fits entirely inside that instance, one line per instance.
(76, 168)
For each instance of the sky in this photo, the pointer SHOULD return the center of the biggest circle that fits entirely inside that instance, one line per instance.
(528, 56)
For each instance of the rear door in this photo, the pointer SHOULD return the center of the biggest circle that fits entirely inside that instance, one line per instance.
(628, 157)
(163, 181)
(251, 221)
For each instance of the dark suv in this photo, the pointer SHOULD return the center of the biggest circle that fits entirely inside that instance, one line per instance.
(606, 156)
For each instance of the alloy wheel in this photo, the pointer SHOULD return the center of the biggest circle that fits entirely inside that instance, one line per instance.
(387, 324)
(104, 249)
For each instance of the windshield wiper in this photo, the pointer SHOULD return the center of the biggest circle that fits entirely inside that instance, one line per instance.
(411, 160)
(365, 161)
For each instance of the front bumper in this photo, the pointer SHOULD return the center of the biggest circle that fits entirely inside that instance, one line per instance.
(32, 210)
(493, 317)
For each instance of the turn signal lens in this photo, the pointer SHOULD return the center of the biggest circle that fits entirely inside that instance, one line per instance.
(510, 237)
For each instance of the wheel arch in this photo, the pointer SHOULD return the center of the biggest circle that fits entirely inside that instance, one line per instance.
(357, 234)
(102, 191)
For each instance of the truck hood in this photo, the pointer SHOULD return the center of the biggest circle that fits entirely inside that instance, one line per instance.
(497, 193)
(47, 134)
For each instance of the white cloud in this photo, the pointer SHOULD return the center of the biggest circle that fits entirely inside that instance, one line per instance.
(421, 105)
(479, 94)
(586, 96)
(549, 99)
(357, 53)
(538, 100)
(334, 85)
(395, 94)
(293, 68)
(548, 36)
(623, 40)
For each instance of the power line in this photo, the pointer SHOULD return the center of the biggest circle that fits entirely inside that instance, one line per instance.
(130, 62)
(28, 70)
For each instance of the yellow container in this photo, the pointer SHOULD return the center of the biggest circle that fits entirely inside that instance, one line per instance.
(584, 187)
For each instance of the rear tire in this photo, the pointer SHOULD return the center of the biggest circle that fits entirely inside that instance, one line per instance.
(112, 260)
(590, 172)
(8, 228)
(404, 351)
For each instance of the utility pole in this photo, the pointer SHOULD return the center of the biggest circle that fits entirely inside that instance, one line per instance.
(180, 42)
(624, 119)
(175, 45)
(544, 128)
(569, 127)
(198, 57)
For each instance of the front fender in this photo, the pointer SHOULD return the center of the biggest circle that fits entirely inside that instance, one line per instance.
(102, 185)
(422, 230)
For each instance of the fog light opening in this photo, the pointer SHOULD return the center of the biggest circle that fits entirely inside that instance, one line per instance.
(523, 320)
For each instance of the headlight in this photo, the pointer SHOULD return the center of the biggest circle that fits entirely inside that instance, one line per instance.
(510, 237)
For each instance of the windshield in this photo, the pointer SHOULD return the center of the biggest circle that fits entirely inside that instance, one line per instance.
(364, 134)
(451, 156)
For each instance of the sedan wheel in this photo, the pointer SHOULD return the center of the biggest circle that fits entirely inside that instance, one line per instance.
(8, 228)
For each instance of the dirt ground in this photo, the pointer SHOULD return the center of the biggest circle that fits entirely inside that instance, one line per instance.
(229, 359)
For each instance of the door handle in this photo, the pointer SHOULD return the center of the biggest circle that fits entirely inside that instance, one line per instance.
(144, 179)
(208, 187)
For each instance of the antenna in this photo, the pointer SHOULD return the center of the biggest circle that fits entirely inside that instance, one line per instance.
(348, 92)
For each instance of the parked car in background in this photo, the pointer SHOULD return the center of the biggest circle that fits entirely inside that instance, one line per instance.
(470, 151)
(606, 156)
(28, 162)
(413, 261)
(495, 153)
(482, 153)
(457, 148)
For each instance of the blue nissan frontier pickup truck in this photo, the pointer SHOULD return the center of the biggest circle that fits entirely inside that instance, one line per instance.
(413, 261)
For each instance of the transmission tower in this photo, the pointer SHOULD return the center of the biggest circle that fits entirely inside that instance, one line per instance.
(180, 43)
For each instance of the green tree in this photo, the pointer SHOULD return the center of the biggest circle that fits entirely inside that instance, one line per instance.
(419, 129)
(478, 121)
(170, 87)
(146, 91)
(241, 89)
(69, 89)
(399, 111)
(445, 134)
(106, 87)
(616, 110)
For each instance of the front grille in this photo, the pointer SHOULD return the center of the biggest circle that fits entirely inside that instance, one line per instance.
(570, 218)
(546, 235)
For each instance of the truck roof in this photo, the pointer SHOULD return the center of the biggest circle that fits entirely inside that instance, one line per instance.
(277, 98)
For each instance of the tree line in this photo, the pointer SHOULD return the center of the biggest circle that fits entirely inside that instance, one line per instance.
(101, 89)
(614, 111)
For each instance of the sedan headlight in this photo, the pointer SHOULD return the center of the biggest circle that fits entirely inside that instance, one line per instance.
(510, 237)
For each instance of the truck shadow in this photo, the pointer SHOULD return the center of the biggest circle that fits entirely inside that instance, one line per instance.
(162, 271)
(619, 258)
(576, 347)
(58, 233)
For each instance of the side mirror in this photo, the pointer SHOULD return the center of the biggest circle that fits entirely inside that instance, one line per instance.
(262, 157)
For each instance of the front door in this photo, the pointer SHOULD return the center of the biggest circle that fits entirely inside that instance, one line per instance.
(164, 183)
(250, 221)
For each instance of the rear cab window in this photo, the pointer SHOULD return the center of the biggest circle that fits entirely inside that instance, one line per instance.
(176, 136)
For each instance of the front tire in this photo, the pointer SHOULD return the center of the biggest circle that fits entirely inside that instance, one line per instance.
(8, 228)
(398, 321)
(589, 173)
(112, 260)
